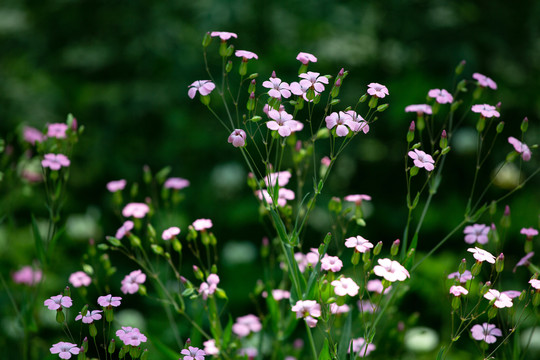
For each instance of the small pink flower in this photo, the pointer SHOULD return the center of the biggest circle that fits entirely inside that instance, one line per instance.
(170, 233)
(486, 110)
(524, 261)
(482, 255)
(339, 309)
(366, 306)
(313, 80)
(476, 233)
(521, 148)
(33, 135)
(283, 195)
(204, 87)
(109, 300)
(137, 210)
(117, 185)
(277, 88)
(345, 286)
(362, 124)
(360, 347)
(535, 283)
(79, 278)
(484, 81)
(306, 58)
(55, 161)
(485, 332)
(90, 316)
(325, 161)
(441, 96)
(378, 90)
(124, 229)
(27, 275)
(358, 243)
(131, 282)
(419, 109)
(281, 121)
(512, 293)
(391, 270)
(377, 286)
(502, 300)
(246, 325)
(279, 294)
(331, 263)
(246, 55)
(529, 232)
(57, 130)
(458, 290)
(309, 310)
(131, 336)
(281, 177)
(422, 160)
(58, 302)
(176, 183)
(462, 278)
(342, 122)
(357, 198)
(202, 224)
(223, 35)
(192, 353)
(65, 349)
(210, 347)
(237, 138)
(210, 286)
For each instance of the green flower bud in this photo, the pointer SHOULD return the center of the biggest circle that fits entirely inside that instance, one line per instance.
(228, 66)
(414, 170)
(367, 265)
(144, 355)
(475, 270)
(395, 248)
(205, 99)
(460, 67)
(112, 346)
(207, 39)
(462, 266)
(377, 249)
(492, 312)
(481, 124)
(230, 51)
(499, 263)
(524, 125)
(334, 205)
(158, 250)
(444, 140)
(456, 302)
(373, 102)
(355, 258)
(253, 76)
(92, 329)
(363, 98)
(500, 127)
(60, 317)
(84, 310)
(177, 245)
(382, 107)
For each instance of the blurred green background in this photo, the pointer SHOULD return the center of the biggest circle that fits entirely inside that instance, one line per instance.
(123, 69)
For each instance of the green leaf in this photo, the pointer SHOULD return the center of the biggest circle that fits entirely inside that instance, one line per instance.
(441, 352)
(227, 333)
(325, 351)
(38, 242)
(345, 338)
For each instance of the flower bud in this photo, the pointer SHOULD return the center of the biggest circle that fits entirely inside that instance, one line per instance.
(492, 312)
(228, 67)
(500, 127)
(207, 39)
(92, 329)
(462, 266)
(84, 310)
(410, 133)
(109, 316)
(355, 258)
(367, 265)
(395, 248)
(456, 302)
(334, 205)
(177, 245)
(144, 355)
(377, 249)
(475, 270)
(251, 102)
(341, 72)
(446, 150)
(60, 317)
(485, 288)
(82, 354)
(443, 143)
(481, 124)
(460, 67)
(67, 291)
(363, 98)
(230, 50)
(414, 170)
(365, 256)
(505, 219)
(524, 125)
(382, 107)
(373, 102)
(85, 344)
(499, 263)
(198, 273)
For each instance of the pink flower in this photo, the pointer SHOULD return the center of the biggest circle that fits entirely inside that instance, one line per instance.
(366, 306)
(358, 243)
(422, 160)
(202, 224)
(237, 138)
(193, 353)
(331, 263)
(281, 121)
(441, 96)
(378, 90)
(360, 347)
(281, 177)
(485, 110)
(137, 210)
(109, 300)
(462, 278)
(476, 233)
(377, 286)
(279, 294)
(312, 257)
(55, 161)
(524, 261)
(419, 109)
(210, 286)
(482, 255)
(246, 55)
(342, 122)
(306, 58)
(223, 35)
(512, 293)
(391, 270)
(325, 161)
(204, 87)
(32, 135)
(131, 336)
(309, 310)
(170, 233)
(58, 302)
(357, 198)
(521, 148)
(131, 282)
(117, 185)
(362, 124)
(283, 196)
(124, 229)
(345, 286)
(277, 88)
(210, 347)
(64, 349)
(90, 316)
(484, 81)
(502, 300)
(339, 309)
(535, 283)
(245, 325)
(27, 275)
(458, 290)
(57, 130)
(176, 183)
(79, 278)
(485, 332)
(529, 232)
(312, 80)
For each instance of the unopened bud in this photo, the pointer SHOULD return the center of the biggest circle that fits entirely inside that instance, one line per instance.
(395, 248)
(367, 265)
(341, 72)
(144, 355)
(377, 249)
(198, 273)
(499, 263)
(60, 317)
(366, 256)
(273, 74)
(228, 67)
(355, 258)
(492, 312)
(444, 140)
(475, 270)
(460, 67)
(373, 102)
(252, 86)
(456, 302)
(500, 127)
(92, 329)
(481, 124)
(410, 133)
(67, 291)
(335, 205)
(524, 125)
(462, 266)
(363, 98)
(382, 107)
(207, 39)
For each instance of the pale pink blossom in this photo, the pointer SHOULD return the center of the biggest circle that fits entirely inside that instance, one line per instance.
(246, 55)
(309, 310)
(137, 210)
(283, 195)
(116, 185)
(246, 325)
(484, 81)
(237, 138)
(422, 160)
(482, 255)
(325, 161)
(204, 87)
(277, 88)
(209, 287)
(57, 130)
(80, 278)
(176, 183)
(356, 118)
(441, 96)
(170, 233)
(521, 148)
(126, 227)
(512, 293)
(485, 332)
(345, 286)
(419, 109)
(281, 121)
(33, 135)
(331, 263)
(529, 232)
(313, 80)
(109, 300)
(210, 347)
(487, 111)
(524, 261)
(282, 178)
(279, 294)
(90, 316)
(58, 302)
(502, 300)
(131, 336)
(202, 224)
(457, 290)
(27, 275)
(131, 282)
(360, 347)
(55, 161)
(377, 286)
(342, 122)
(476, 233)
(339, 309)
(65, 349)
(357, 198)
(391, 270)
(193, 353)
(366, 306)
(535, 283)
(312, 257)
(223, 35)
(306, 58)
(358, 243)
(462, 278)
(377, 90)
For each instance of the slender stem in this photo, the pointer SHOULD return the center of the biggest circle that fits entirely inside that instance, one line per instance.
(311, 342)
